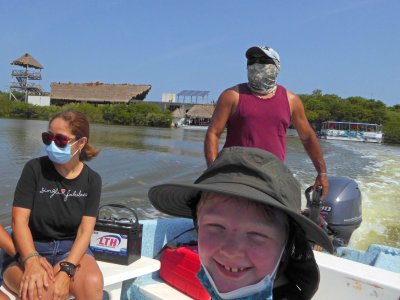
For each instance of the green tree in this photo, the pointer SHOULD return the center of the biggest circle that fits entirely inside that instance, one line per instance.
(391, 128)
(5, 105)
(22, 110)
(117, 114)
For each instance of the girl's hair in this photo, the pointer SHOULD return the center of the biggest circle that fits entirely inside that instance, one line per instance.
(79, 125)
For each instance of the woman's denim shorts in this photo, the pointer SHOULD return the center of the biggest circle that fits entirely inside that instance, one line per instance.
(54, 251)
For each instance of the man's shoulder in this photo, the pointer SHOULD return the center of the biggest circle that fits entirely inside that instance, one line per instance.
(229, 95)
(288, 92)
(292, 97)
(233, 89)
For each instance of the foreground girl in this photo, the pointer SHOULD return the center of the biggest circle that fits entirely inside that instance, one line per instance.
(253, 241)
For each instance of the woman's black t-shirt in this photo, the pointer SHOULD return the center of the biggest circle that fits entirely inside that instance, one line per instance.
(57, 204)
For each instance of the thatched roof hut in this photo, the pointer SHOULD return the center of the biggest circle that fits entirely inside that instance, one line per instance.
(97, 92)
(204, 111)
(27, 60)
(180, 112)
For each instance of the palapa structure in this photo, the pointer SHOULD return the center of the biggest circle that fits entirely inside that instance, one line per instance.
(179, 113)
(27, 60)
(97, 93)
(200, 114)
(204, 111)
(23, 76)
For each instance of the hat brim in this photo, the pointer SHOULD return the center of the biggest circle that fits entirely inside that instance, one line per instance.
(255, 52)
(174, 199)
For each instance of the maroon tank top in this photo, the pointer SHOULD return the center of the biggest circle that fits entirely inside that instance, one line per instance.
(260, 123)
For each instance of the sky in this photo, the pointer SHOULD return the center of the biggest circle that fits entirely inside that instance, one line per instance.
(343, 47)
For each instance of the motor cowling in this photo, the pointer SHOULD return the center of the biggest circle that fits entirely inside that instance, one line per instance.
(341, 211)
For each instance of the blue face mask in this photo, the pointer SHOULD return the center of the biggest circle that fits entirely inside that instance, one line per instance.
(60, 155)
(259, 291)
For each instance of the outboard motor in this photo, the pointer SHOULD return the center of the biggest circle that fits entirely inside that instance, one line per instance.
(340, 213)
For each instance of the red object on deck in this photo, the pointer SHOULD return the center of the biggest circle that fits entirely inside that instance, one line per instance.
(179, 268)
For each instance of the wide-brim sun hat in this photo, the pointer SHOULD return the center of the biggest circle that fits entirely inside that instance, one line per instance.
(250, 173)
(259, 51)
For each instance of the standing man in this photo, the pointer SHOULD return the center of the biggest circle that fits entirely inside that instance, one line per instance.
(258, 113)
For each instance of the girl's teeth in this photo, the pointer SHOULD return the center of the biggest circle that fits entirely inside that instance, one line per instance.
(233, 270)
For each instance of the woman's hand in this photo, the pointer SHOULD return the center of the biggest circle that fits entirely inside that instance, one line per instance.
(34, 280)
(61, 286)
(48, 268)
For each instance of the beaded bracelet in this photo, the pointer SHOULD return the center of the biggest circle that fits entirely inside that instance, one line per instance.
(322, 174)
(29, 256)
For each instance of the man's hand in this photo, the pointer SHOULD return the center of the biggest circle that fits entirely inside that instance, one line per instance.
(322, 179)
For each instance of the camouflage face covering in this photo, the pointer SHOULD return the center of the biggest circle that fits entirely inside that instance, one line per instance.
(262, 78)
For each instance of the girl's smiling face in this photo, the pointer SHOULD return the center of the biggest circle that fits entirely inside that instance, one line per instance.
(239, 242)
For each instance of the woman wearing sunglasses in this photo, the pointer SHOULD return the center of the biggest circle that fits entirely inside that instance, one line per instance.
(53, 216)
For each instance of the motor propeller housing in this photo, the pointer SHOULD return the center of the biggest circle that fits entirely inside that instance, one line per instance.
(340, 213)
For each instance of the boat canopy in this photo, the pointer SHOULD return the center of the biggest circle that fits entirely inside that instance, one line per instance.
(354, 126)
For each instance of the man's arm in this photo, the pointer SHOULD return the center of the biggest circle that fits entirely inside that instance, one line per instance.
(309, 141)
(225, 107)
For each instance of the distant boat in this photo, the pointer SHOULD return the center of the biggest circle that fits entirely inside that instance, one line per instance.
(352, 131)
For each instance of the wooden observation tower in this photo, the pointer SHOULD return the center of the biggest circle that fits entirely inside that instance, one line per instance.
(21, 77)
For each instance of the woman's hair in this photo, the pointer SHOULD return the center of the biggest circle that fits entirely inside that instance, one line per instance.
(79, 125)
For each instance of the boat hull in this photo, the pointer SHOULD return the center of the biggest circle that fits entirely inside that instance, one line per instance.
(352, 139)
(345, 279)
(194, 127)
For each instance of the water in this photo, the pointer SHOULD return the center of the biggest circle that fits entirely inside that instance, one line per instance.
(134, 159)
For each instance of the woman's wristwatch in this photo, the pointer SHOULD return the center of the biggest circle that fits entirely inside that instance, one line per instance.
(68, 268)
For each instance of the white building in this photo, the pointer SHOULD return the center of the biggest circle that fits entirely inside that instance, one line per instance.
(168, 97)
(39, 100)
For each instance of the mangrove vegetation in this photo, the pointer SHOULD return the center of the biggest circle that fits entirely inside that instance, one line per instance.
(318, 107)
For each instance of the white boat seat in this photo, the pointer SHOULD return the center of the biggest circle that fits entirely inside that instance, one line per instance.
(114, 275)
(155, 289)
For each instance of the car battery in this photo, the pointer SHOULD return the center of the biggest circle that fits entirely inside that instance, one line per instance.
(179, 268)
(117, 241)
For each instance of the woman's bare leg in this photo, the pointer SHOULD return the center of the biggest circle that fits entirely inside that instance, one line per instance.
(12, 277)
(88, 280)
